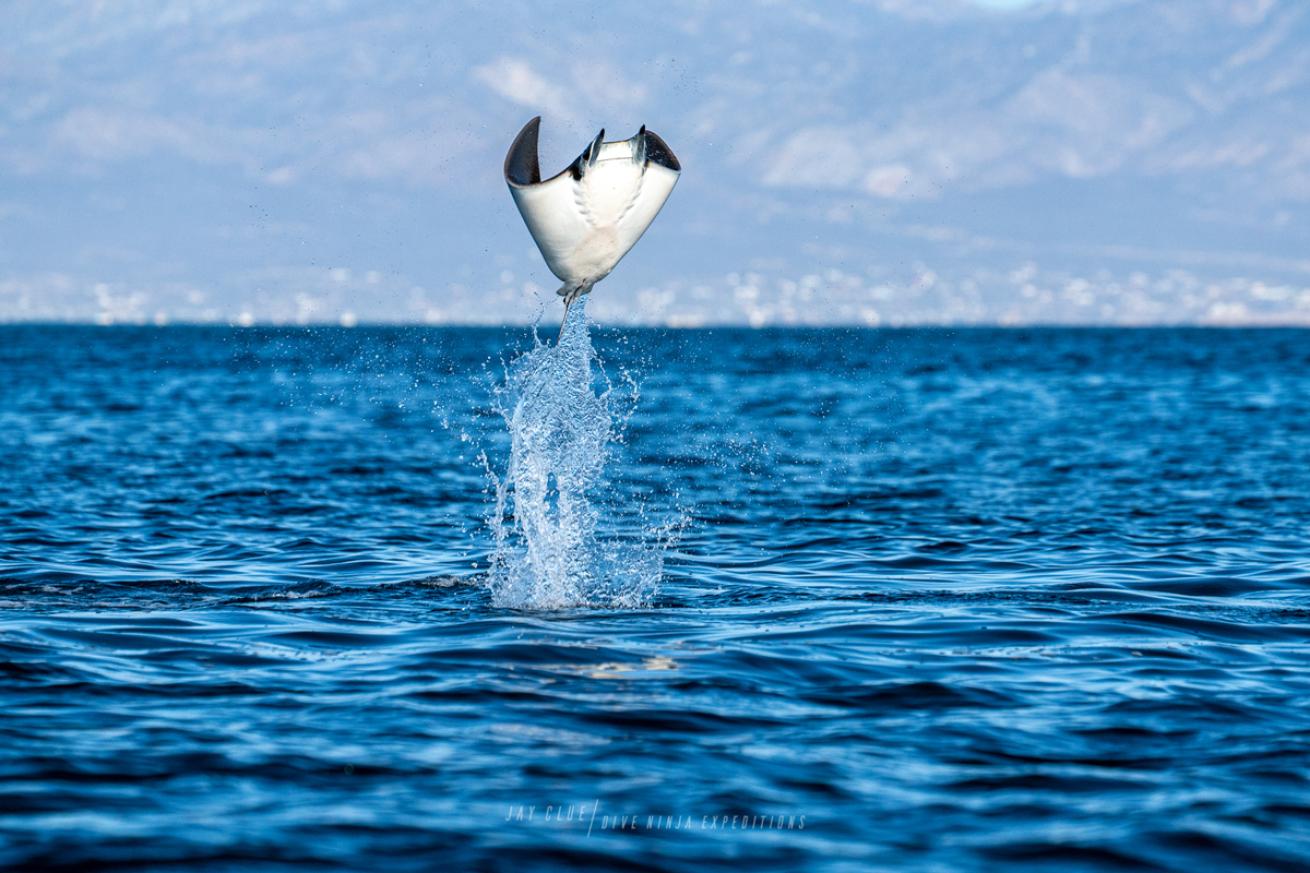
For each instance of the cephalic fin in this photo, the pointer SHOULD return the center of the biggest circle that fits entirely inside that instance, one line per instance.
(589, 156)
(639, 148)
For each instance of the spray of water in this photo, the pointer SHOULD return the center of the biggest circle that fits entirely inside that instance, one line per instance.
(558, 541)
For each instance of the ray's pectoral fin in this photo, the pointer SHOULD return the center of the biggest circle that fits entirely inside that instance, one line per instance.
(521, 165)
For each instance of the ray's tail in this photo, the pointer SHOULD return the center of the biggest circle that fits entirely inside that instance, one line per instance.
(570, 293)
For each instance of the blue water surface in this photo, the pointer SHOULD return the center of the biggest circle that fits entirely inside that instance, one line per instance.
(941, 600)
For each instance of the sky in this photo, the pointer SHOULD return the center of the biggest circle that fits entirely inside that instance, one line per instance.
(876, 162)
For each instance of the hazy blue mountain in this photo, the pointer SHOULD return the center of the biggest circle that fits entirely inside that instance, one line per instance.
(887, 161)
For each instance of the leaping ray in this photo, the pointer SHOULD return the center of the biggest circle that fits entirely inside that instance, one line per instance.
(589, 215)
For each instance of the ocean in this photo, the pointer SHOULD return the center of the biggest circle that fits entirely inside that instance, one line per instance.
(832, 599)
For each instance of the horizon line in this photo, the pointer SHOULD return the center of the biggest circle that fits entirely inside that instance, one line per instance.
(726, 325)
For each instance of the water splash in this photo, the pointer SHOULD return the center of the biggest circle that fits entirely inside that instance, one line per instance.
(558, 541)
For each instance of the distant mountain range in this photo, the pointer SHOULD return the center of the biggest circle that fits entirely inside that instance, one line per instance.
(879, 162)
